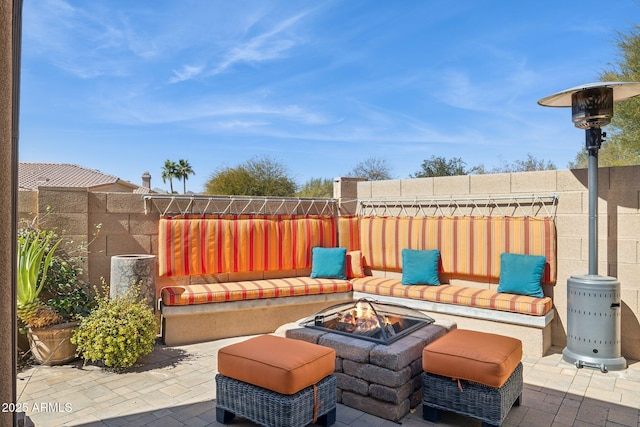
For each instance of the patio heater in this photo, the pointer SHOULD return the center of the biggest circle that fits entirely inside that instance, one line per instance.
(593, 301)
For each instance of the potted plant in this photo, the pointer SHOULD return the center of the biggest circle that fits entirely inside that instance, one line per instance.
(119, 331)
(51, 298)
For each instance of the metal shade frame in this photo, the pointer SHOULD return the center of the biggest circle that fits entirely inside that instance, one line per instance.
(621, 91)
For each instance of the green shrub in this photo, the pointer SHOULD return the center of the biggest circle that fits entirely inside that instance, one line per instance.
(118, 331)
(35, 251)
(60, 293)
(65, 291)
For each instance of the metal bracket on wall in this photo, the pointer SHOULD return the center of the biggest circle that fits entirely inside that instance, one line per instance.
(517, 205)
(171, 205)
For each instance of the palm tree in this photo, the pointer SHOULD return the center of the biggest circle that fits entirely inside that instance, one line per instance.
(169, 171)
(183, 170)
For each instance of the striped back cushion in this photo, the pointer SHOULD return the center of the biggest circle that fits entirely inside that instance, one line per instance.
(468, 245)
(211, 244)
(349, 232)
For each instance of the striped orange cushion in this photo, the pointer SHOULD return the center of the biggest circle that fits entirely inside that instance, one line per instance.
(354, 265)
(210, 244)
(251, 289)
(349, 232)
(450, 294)
(468, 245)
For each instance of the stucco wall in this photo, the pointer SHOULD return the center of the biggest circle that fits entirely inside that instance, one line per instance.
(126, 229)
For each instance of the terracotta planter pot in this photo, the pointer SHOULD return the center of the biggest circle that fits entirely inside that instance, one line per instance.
(23, 341)
(52, 345)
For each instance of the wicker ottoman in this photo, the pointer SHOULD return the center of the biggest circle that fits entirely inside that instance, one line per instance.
(276, 381)
(487, 376)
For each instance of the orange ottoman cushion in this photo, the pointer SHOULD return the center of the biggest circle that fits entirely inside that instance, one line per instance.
(280, 364)
(473, 356)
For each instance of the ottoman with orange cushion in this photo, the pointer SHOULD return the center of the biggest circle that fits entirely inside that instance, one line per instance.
(276, 381)
(476, 374)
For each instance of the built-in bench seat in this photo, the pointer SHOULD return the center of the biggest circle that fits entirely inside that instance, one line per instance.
(201, 312)
(469, 270)
(240, 275)
(452, 294)
(264, 247)
(525, 317)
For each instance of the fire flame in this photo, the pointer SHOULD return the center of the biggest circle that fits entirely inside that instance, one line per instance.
(362, 319)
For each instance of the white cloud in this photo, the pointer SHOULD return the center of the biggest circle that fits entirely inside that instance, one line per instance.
(136, 107)
(82, 41)
(269, 45)
(186, 73)
(239, 124)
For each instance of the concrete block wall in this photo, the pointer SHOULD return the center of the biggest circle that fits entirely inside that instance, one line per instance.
(618, 227)
(345, 190)
(110, 223)
(126, 229)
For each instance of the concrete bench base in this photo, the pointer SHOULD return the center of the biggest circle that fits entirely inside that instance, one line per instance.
(206, 322)
(533, 331)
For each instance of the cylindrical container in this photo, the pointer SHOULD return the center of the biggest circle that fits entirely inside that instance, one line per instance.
(135, 269)
(593, 323)
(51, 345)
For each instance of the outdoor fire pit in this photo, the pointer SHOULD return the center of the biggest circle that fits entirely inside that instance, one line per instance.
(378, 353)
(382, 323)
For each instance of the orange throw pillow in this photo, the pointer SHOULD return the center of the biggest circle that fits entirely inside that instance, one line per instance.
(354, 265)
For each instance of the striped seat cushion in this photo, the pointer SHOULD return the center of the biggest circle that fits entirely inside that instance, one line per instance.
(450, 294)
(251, 289)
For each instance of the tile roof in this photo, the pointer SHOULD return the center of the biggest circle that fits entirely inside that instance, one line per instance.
(34, 175)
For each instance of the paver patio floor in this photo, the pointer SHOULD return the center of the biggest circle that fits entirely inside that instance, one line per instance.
(175, 386)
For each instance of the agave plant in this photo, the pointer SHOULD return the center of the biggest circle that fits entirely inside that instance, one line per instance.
(35, 252)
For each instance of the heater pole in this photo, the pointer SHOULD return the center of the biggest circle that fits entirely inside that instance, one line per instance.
(593, 143)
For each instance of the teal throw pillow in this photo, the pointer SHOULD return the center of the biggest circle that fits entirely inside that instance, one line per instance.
(328, 263)
(521, 274)
(420, 267)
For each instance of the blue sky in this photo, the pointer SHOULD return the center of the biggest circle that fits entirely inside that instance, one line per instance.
(122, 85)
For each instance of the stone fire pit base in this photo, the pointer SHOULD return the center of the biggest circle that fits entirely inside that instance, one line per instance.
(382, 380)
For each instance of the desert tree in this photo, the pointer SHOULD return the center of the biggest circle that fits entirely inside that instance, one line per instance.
(441, 166)
(256, 177)
(372, 169)
(317, 188)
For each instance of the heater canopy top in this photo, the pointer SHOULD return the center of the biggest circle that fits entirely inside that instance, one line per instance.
(621, 91)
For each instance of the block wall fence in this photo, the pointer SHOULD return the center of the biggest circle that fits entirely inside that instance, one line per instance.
(126, 229)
